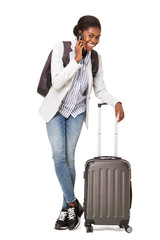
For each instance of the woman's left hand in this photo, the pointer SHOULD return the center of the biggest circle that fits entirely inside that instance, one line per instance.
(119, 111)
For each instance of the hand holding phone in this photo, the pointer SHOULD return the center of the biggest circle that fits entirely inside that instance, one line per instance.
(80, 47)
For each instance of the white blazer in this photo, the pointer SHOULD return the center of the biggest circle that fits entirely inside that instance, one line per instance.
(62, 80)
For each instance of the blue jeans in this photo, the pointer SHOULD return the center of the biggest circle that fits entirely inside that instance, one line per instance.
(63, 135)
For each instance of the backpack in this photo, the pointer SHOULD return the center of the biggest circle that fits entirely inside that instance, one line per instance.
(45, 81)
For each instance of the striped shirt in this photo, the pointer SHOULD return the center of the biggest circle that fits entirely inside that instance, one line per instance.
(74, 103)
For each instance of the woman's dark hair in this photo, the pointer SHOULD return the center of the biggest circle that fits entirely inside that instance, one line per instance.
(85, 22)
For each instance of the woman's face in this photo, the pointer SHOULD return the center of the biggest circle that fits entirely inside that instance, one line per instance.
(91, 36)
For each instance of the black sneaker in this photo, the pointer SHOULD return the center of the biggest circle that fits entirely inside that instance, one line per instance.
(62, 221)
(80, 208)
(74, 214)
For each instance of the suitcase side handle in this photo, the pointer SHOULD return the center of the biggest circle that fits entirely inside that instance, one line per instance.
(99, 133)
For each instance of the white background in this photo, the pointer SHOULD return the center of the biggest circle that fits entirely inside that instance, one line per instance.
(130, 47)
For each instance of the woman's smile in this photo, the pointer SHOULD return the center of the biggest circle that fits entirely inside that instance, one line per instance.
(91, 45)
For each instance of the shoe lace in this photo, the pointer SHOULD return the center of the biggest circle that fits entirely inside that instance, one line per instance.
(71, 213)
(62, 216)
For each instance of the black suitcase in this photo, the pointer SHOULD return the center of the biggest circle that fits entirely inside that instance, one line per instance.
(108, 192)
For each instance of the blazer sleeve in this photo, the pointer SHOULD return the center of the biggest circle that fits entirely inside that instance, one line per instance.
(60, 74)
(100, 87)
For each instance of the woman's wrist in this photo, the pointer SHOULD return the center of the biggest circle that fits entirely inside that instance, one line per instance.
(77, 59)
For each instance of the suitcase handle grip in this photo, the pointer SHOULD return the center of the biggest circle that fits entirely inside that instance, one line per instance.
(100, 104)
(99, 133)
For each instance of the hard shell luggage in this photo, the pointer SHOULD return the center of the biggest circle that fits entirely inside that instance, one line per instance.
(108, 193)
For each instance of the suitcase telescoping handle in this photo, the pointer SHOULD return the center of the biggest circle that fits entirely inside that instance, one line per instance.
(99, 133)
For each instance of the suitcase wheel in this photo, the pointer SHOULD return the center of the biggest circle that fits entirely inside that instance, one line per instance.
(89, 228)
(128, 229)
(121, 226)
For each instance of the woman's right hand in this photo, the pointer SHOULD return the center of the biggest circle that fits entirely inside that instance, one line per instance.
(78, 49)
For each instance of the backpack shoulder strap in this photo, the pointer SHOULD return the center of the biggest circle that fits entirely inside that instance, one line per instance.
(95, 62)
(67, 50)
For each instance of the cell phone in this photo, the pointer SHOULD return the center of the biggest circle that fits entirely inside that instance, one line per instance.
(80, 35)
